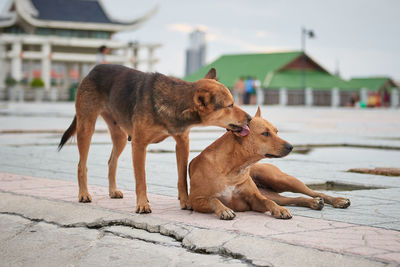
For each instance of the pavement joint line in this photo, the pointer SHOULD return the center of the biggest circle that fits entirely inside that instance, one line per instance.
(161, 151)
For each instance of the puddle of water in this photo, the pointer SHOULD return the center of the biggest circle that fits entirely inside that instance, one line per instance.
(334, 186)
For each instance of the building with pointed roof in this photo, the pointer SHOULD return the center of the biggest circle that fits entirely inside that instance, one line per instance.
(47, 36)
(274, 70)
(293, 71)
(292, 78)
(373, 83)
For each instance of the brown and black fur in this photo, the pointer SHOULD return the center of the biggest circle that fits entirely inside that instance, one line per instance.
(147, 108)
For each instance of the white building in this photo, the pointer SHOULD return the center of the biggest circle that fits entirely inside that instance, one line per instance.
(64, 35)
(196, 53)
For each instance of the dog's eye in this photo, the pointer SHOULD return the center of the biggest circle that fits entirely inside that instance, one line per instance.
(230, 106)
(266, 134)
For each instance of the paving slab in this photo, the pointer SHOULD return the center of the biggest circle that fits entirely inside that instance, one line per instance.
(198, 232)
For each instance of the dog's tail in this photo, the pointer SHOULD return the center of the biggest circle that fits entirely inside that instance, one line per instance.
(67, 134)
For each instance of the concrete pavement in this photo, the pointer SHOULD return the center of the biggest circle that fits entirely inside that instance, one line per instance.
(38, 186)
(38, 231)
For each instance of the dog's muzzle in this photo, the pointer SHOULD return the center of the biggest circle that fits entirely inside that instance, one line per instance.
(285, 151)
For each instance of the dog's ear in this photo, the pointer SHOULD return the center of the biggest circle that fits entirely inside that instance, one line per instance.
(202, 99)
(258, 113)
(212, 74)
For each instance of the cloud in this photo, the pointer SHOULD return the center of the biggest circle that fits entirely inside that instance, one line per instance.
(210, 37)
(261, 34)
(243, 45)
(214, 35)
(180, 27)
(186, 28)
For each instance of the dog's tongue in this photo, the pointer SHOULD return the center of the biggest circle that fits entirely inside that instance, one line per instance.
(245, 131)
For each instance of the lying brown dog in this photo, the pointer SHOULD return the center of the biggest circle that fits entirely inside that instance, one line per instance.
(147, 107)
(224, 177)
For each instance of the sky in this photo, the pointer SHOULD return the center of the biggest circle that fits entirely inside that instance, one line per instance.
(356, 37)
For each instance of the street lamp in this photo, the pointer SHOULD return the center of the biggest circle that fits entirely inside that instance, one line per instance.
(304, 34)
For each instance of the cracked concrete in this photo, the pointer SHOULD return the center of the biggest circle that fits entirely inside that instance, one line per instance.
(340, 139)
(44, 232)
(45, 244)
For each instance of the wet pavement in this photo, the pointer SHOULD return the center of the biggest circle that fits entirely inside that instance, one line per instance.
(338, 139)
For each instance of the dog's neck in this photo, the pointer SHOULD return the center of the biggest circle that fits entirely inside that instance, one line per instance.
(236, 158)
(180, 116)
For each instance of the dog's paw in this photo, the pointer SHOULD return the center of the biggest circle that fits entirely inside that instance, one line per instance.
(281, 213)
(84, 197)
(186, 206)
(185, 203)
(341, 203)
(116, 194)
(143, 208)
(317, 203)
(227, 214)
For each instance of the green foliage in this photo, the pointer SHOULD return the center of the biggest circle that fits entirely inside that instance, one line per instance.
(37, 83)
(10, 81)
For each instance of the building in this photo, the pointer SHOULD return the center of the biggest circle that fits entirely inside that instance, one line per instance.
(287, 78)
(196, 53)
(59, 40)
(375, 84)
(382, 87)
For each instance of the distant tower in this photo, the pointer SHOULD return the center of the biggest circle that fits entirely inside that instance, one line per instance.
(196, 53)
(337, 68)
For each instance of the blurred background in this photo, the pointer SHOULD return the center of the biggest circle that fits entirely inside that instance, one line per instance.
(313, 53)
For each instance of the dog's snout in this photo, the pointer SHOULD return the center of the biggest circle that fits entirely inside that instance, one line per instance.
(248, 118)
(288, 147)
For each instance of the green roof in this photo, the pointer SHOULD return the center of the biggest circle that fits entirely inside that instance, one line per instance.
(372, 83)
(231, 67)
(293, 79)
(269, 69)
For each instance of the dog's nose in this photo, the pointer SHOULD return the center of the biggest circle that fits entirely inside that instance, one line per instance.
(248, 118)
(288, 147)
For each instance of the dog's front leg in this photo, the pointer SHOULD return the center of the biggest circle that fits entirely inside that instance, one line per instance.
(139, 161)
(262, 204)
(182, 155)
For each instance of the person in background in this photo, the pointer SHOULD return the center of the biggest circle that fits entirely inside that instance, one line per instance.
(386, 98)
(239, 90)
(248, 89)
(353, 101)
(256, 90)
(101, 55)
(378, 100)
(371, 100)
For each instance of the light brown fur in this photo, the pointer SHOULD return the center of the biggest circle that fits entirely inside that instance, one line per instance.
(224, 177)
(148, 107)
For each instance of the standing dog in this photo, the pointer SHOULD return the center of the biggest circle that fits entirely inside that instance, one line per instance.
(224, 177)
(147, 108)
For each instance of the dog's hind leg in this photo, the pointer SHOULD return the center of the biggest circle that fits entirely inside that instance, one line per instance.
(182, 155)
(85, 129)
(119, 140)
(316, 203)
(271, 177)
